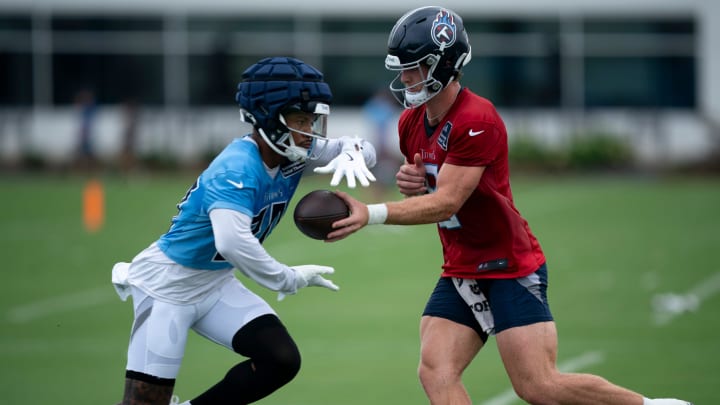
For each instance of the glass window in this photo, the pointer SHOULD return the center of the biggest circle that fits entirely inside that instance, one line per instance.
(515, 62)
(214, 78)
(633, 62)
(15, 22)
(113, 78)
(354, 79)
(15, 60)
(229, 25)
(104, 23)
(515, 81)
(640, 82)
(16, 79)
(638, 26)
(489, 26)
(358, 25)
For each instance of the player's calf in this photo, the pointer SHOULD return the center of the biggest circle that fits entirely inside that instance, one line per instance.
(144, 389)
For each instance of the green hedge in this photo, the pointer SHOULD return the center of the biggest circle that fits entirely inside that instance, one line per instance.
(585, 151)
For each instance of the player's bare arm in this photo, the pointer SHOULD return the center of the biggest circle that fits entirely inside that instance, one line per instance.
(454, 186)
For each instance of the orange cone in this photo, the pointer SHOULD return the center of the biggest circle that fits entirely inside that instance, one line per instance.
(93, 206)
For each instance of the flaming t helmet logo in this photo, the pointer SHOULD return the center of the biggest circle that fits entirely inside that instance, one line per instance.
(444, 29)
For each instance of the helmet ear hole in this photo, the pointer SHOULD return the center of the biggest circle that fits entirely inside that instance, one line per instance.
(245, 116)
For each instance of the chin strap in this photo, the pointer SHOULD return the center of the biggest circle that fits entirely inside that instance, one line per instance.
(293, 152)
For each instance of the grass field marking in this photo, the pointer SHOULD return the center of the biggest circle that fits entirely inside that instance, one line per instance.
(63, 303)
(668, 306)
(572, 365)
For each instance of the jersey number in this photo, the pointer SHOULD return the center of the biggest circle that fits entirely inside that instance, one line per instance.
(431, 172)
(259, 227)
(185, 197)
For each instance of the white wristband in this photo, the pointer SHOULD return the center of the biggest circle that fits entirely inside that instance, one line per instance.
(377, 214)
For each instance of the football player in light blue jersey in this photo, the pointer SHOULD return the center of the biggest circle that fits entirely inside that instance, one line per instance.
(185, 280)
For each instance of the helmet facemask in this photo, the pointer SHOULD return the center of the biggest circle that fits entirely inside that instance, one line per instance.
(299, 120)
(408, 95)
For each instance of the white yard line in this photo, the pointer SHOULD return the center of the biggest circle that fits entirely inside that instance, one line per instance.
(669, 306)
(63, 303)
(574, 364)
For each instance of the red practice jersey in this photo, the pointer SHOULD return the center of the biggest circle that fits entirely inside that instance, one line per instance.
(487, 237)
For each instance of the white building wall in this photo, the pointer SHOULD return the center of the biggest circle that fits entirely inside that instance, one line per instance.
(709, 62)
(670, 137)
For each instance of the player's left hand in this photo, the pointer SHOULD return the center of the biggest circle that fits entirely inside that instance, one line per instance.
(311, 275)
(349, 163)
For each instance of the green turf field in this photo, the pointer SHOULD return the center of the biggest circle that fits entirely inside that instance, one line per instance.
(612, 243)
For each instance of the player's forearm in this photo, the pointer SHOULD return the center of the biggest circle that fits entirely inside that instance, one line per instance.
(455, 184)
(424, 209)
(259, 266)
(239, 247)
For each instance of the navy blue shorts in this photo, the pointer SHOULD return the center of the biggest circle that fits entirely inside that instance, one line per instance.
(505, 302)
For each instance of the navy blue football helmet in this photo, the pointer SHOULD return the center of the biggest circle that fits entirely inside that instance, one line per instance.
(275, 87)
(433, 37)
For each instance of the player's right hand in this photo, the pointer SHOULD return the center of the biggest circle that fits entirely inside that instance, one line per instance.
(358, 218)
(310, 275)
(410, 179)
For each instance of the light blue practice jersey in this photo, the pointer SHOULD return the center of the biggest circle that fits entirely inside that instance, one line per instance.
(238, 180)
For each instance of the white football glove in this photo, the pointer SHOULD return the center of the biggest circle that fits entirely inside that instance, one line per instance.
(309, 275)
(349, 163)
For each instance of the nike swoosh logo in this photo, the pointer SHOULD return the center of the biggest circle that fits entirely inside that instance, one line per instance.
(475, 133)
(236, 184)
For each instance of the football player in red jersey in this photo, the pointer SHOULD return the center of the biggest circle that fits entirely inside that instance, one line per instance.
(494, 278)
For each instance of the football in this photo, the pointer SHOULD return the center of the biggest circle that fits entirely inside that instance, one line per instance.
(316, 212)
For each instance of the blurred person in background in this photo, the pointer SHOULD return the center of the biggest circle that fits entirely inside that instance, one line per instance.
(381, 109)
(128, 154)
(87, 111)
(494, 280)
(185, 280)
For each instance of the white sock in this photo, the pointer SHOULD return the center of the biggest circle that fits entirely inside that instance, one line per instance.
(664, 401)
